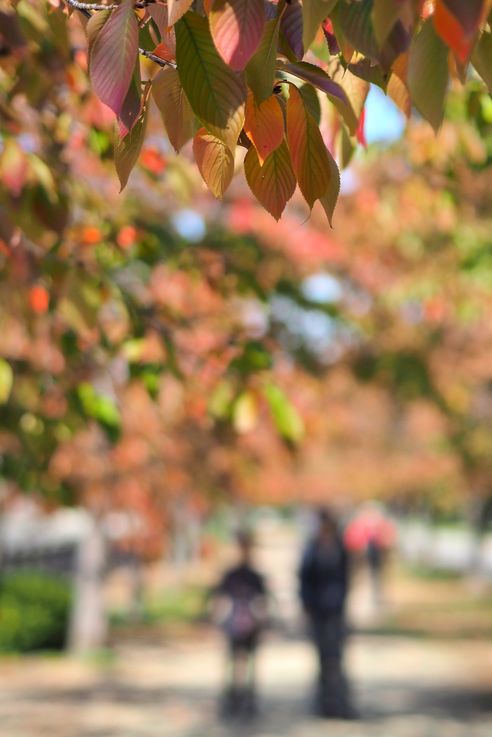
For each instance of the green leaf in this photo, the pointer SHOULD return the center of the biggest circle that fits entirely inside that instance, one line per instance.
(6, 380)
(127, 150)
(215, 161)
(428, 74)
(285, 416)
(260, 72)
(274, 183)
(385, 13)
(330, 197)
(215, 92)
(482, 59)
(314, 13)
(355, 20)
(174, 107)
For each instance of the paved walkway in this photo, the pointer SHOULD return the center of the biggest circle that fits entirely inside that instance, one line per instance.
(403, 688)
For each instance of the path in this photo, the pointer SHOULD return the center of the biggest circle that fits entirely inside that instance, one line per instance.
(404, 687)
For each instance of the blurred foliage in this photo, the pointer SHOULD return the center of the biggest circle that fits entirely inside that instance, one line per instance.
(34, 611)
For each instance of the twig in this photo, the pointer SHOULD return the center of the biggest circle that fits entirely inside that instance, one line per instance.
(85, 9)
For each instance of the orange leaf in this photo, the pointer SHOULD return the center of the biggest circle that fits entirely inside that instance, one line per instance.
(264, 125)
(215, 161)
(308, 151)
(273, 184)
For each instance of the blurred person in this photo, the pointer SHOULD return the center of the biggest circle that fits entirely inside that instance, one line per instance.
(372, 534)
(241, 609)
(324, 581)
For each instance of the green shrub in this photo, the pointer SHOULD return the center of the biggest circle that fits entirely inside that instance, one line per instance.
(34, 612)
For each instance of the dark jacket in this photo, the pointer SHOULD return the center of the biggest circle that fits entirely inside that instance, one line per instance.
(324, 575)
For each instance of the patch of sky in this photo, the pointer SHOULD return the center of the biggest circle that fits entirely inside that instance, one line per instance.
(322, 288)
(384, 123)
(189, 224)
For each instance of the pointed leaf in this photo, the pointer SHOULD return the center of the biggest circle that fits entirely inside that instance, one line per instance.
(158, 13)
(330, 197)
(113, 55)
(274, 183)
(428, 74)
(482, 59)
(215, 92)
(314, 13)
(318, 77)
(260, 72)
(215, 161)
(285, 416)
(264, 125)
(174, 107)
(94, 25)
(128, 149)
(385, 13)
(237, 28)
(308, 151)
(291, 27)
(176, 9)
(457, 23)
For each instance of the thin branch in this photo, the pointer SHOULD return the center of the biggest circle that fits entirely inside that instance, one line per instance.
(101, 6)
(85, 9)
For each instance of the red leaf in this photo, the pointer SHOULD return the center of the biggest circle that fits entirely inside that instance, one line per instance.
(113, 56)
(237, 28)
(457, 23)
(264, 125)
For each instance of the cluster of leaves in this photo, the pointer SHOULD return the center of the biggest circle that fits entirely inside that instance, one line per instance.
(281, 78)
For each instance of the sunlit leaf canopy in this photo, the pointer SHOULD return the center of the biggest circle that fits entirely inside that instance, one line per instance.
(143, 361)
(285, 78)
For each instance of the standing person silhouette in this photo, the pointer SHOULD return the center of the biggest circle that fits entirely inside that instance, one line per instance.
(324, 581)
(241, 606)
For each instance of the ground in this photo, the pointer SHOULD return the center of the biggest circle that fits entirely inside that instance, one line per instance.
(409, 678)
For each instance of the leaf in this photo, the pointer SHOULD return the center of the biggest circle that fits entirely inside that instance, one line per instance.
(457, 23)
(264, 125)
(132, 105)
(245, 412)
(274, 183)
(317, 77)
(291, 26)
(173, 106)
(260, 72)
(237, 29)
(330, 197)
(307, 149)
(128, 149)
(385, 14)
(176, 9)
(355, 20)
(314, 13)
(215, 92)
(428, 74)
(94, 25)
(355, 89)
(158, 13)
(113, 55)
(285, 416)
(6, 380)
(482, 59)
(215, 161)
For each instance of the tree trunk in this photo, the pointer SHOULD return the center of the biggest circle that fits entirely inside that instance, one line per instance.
(88, 625)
